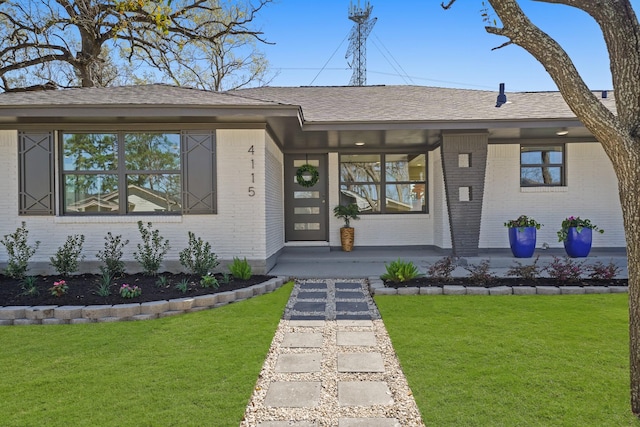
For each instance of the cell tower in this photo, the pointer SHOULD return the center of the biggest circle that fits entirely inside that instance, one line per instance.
(358, 42)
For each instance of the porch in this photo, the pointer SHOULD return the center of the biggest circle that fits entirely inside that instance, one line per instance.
(362, 262)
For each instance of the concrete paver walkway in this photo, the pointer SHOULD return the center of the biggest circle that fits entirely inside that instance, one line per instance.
(331, 364)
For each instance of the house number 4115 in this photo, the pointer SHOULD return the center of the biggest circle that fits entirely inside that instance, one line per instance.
(252, 189)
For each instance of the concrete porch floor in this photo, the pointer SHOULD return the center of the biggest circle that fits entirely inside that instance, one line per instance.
(362, 262)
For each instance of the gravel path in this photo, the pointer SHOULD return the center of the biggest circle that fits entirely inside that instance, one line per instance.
(336, 371)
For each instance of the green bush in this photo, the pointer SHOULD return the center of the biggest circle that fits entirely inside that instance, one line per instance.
(209, 281)
(111, 255)
(401, 271)
(152, 250)
(240, 269)
(68, 255)
(29, 287)
(18, 252)
(197, 257)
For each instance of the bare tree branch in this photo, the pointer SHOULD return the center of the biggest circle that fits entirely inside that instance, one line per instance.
(135, 32)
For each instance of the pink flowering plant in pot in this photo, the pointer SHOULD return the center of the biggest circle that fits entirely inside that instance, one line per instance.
(522, 235)
(523, 221)
(579, 224)
(576, 234)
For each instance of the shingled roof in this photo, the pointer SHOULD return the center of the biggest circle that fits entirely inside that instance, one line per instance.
(319, 104)
(143, 95)
(414, 103)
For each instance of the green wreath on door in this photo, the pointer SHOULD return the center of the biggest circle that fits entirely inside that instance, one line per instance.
(304, 170)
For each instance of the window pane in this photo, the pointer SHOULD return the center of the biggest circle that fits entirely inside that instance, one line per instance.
(540, 176)
(365, 196)
(306, 194)
(417, 167)
(306, 210)
(306, 226)
(360, 168)
(152, 151)
(405, 198)
(90, 151)
(405, 167)
(153, 193)
(91, 193)
(541, 155)
(298, 163)
(397, 167)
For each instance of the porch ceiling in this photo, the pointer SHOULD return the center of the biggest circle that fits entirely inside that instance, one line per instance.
(313, 138)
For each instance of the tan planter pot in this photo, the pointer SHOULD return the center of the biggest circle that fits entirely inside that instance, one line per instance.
(346, 238)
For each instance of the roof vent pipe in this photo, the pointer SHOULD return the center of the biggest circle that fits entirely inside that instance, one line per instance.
(604, 94)
(502, 98)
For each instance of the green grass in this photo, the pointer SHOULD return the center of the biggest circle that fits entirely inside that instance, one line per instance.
(189, 370)
(514, 361)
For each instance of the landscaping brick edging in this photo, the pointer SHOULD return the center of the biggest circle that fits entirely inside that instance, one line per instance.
(376, 287)
(61, 315)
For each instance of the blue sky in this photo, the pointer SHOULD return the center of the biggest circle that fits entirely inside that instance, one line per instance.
(426, 44)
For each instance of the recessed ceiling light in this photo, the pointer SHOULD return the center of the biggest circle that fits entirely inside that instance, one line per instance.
(359, 143)
(562, 131)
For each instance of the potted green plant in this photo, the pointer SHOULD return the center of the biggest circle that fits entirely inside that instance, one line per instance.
(577, 234)
(347, 233)
(522, 235)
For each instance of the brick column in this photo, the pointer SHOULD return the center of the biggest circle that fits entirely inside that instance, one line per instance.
(464, 162)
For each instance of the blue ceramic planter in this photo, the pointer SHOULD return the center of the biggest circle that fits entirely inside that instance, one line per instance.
(522, 241)
(578, 245)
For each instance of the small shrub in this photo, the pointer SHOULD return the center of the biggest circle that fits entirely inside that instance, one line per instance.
(152, 250)
(240, 269)
(400, 271)
(68, 255)
(104, 288)
(128, 291)
(112, 254)
(209, 281)
(18, 252)
(525, 272)
(442, 269)
(29, 288)
(162, 282)
(480, 273)
(600, 271)
(183, 286)
(197, 257)
(226, 278)
(59, 288)
(565, 270)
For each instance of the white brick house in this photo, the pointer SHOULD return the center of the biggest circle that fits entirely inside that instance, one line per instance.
(430, 167)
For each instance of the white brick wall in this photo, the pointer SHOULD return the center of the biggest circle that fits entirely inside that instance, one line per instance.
(274, 189)
(591, 192)
(438, 206)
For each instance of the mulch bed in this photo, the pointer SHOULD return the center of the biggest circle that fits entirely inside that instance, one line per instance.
(466, 281)
(83, 289)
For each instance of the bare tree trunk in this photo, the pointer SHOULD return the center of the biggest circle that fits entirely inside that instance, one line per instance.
(631, 211)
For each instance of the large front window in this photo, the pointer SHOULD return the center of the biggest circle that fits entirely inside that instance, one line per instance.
(121, 172)
(384, 183)
(541, 165)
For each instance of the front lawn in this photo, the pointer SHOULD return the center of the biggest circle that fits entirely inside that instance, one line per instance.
(189, 370)
(514, 361)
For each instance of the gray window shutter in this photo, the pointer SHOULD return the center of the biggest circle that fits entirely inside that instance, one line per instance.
(36, 173)
(198, 172)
